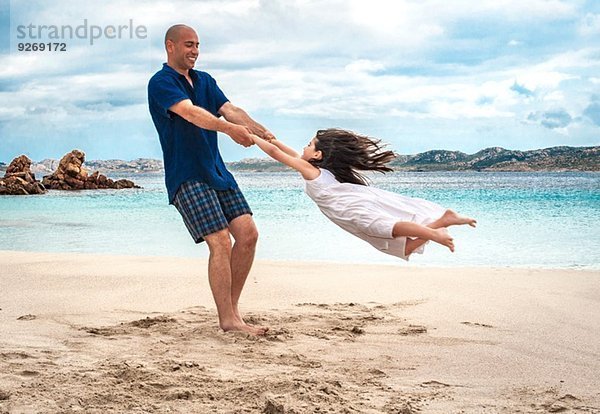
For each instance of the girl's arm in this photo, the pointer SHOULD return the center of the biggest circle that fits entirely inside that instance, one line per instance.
(284, 148)
(308, 171)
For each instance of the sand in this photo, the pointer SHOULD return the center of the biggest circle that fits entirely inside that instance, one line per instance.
(118, 334)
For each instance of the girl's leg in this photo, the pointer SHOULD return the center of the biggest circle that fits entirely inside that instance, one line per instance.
(414, 230)
(412, 245)
(449, 218)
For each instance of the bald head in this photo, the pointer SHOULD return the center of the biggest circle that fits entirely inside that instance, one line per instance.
(174, 32)
(181, 44)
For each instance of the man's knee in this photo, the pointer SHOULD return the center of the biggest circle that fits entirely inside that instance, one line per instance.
(247, 237)
(219, 241)
(244, 231)
(251, 236)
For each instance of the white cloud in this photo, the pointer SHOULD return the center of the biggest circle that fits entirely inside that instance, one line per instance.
(10, 113)
(535, 79)
(555, 96)
(512, 10)
(364, 66)
(402, 20)
(590, 25)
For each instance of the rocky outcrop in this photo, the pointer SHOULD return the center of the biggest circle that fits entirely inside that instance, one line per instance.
(19, 180)
(71, 175)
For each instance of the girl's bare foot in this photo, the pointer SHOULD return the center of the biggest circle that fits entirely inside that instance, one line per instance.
(443, 237)
(451, 218)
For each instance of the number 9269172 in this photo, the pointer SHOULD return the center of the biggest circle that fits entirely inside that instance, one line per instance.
(42, 47)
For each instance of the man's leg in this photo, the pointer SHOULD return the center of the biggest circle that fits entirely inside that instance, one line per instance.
(220, 279)
(242, 228)
(245, 233)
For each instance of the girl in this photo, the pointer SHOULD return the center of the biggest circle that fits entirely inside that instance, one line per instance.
(395, 224)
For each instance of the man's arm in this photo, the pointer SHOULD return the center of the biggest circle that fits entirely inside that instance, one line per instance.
(238, 116)
(204, 119)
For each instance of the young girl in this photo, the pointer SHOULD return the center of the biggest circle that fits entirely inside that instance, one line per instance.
(395, 224)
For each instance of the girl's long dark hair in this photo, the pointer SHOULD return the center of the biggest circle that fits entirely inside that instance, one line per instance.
(345, 153)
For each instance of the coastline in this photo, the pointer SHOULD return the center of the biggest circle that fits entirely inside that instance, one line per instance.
(101, 333)
(201, 255)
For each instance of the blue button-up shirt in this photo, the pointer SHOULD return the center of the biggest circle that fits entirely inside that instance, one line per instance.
(189, 152)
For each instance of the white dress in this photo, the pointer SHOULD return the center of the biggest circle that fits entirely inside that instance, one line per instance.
(370, 213)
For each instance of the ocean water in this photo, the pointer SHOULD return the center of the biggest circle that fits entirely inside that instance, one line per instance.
(549, 220)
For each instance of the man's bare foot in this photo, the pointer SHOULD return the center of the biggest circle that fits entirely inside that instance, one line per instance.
(238, 326)
(451, 218)
(443, 237)
(241, 319)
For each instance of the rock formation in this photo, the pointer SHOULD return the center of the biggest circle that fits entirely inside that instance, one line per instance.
(19, 180)
(71, 175)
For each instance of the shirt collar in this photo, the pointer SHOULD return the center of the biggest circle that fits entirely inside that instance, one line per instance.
(169, 69)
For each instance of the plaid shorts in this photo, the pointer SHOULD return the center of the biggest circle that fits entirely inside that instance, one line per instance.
(205, 210)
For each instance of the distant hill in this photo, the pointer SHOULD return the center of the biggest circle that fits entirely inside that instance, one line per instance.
(140, 165)
(500, 159)
(489, 159)
(257, 164)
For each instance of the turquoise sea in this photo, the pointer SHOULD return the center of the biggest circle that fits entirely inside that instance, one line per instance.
(549, 220)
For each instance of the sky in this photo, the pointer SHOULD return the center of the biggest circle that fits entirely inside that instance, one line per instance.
(420, 75)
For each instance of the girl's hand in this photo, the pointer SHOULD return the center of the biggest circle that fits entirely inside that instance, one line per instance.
(269, 137)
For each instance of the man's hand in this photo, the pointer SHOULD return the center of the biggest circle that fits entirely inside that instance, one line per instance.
(239, 134)
(268, 136)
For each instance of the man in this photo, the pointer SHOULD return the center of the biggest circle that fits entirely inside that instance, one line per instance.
(186, 106)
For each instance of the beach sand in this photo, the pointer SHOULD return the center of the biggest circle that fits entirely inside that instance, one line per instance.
(103, 334)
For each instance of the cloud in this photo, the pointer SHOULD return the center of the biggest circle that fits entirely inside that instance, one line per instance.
(590, 25)
(558, 118)
(521, 90)
(365, 66)
(592, 111)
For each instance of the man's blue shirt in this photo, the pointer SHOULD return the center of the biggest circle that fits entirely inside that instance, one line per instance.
(189, 152)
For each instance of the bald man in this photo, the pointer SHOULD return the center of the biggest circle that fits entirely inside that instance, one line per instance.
(188, 108)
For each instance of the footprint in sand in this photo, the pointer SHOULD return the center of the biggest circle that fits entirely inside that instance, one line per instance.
(148, 322)
(15, 355)
(434, 384)
(564, 403)
(482, 325)
(412, 330)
